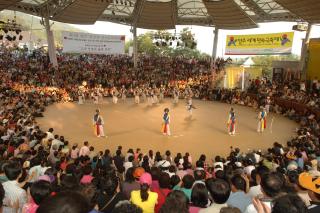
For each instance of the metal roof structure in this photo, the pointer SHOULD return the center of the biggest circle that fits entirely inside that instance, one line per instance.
(166, 14)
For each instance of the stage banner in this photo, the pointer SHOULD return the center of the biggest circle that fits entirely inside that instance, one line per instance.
(259, 44)
(75, 42)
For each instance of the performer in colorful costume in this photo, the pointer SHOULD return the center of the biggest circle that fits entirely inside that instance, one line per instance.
(232, 122)
(166, 122)
(98, 124)
(262, 123)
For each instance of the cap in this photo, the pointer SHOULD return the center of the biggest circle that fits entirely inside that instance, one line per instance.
(138, 172)
(310, 182)
(145, 178)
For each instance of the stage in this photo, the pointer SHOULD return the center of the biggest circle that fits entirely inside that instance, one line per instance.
(139, 126)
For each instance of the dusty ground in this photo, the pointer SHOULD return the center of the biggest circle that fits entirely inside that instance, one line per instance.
(134, 126)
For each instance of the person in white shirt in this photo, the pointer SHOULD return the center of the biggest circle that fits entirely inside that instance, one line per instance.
(13, 192)
(84, 150)
(271, 186)
(50, 133)
(128, 164)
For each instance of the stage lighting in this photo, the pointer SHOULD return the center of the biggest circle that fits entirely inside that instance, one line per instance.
(170, 43)
(1, 37)
(178, 44)
(20, 37)
(14, 38)
(5, 30)
(157, 44)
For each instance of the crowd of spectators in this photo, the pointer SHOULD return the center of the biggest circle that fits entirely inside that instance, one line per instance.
(45, 173)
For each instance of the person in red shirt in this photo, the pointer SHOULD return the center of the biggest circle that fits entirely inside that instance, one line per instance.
(163, 190)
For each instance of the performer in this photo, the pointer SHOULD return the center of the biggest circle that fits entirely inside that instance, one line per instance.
(98, 124)
(144, 94)
(161, 95)
(268, 103)
(80, 96)
(100, 93)
(115, 95)
(95, 97)
(136, 94)
(190, 105)
(156, 93)
(166, 122)
(175, 95)
(232, 122)
(123, 93)
(150, 96)
(262, 123)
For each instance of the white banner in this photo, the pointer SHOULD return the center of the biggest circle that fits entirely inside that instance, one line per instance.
(75, 42)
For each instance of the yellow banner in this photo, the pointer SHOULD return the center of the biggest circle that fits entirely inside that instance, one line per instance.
(259, 44)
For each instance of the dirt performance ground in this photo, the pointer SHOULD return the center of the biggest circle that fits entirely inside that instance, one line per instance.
(139, 126)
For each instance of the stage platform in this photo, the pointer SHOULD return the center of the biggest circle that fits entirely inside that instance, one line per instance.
(139, 126)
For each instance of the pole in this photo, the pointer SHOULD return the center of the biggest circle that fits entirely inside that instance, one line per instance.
(135, 47)
(304, 54)
(242, 79)
(50, 40)
(215, 45)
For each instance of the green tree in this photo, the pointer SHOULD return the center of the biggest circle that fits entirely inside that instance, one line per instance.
(188, 38)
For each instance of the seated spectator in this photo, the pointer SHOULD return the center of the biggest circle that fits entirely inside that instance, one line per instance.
(13, 191)
(71, 202)
(87, 176)
(130, 184)
(39, 191)
(311, 183)
(199, 198)
(163, 190)
(110, 193)
(176, 202)
(238, 198)
(219, 191)
(185, 185)
(126, 207)
(144, 198)
(271, 186)
(229, 210)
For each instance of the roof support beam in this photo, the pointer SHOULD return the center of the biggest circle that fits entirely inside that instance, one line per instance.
(254, 7)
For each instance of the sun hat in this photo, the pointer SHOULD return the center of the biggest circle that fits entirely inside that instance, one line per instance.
(138, 172)
(310, 182)
(145, 178)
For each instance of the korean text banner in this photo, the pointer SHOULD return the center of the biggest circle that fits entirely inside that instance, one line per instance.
(75, 42)
(259, 44)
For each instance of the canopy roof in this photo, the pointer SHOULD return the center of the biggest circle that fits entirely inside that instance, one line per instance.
(165, 14)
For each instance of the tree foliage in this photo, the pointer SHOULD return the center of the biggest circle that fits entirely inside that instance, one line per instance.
(186, 48)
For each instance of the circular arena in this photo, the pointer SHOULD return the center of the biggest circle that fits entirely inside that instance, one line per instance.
(137, 114)
(139, 126)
